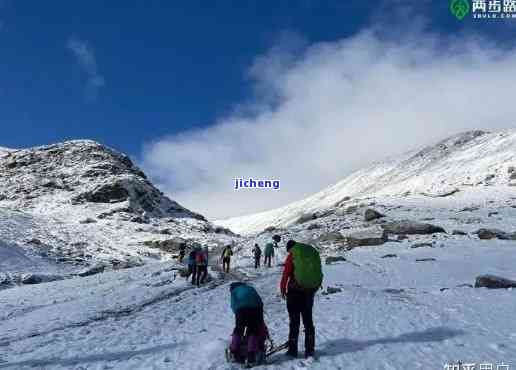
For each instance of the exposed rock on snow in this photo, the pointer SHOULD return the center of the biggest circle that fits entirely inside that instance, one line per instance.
(487, 234)
(92, 270)
(330, 236)
(39, 278)
(306, 217)
(411, 227)
(494, 282)
(443, 193)
(459, 232)
(332, 259)
(422, 245)
(370, 236)
(332, 290)
(371, 214)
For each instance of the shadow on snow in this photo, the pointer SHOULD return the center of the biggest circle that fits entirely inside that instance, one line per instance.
(345, 345)
(109, 356)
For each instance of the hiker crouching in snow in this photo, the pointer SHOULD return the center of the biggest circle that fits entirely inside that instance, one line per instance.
(247, 306)
(302, 277)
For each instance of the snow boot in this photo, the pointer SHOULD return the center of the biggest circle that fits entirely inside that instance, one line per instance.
(252, 349)
(309, 345)
(292, 348)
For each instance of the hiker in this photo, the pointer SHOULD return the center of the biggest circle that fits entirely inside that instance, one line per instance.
(227, 252)
(302, 277)
(192, 265)
(257, 252)
(247, 306)
(276, 239)
(182, 252)
(201, 259)
(269, 254)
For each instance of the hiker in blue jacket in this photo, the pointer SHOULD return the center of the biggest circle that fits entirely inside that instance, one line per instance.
(248, 309)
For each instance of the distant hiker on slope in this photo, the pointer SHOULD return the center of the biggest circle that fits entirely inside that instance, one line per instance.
(226, 258)
(257, 253)
(192, 264)
(269, 254)
(182, 252)
(302, 277)
(247, 306)
(201, 259)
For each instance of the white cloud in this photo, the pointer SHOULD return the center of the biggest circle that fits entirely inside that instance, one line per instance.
(332, 109)
(85, 57)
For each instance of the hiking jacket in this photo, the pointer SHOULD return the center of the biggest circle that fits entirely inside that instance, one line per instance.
(269, 250)
(245, 296)
(226, 253)
(191, 258)
(205, 262)
(288, 273)
(257, 252)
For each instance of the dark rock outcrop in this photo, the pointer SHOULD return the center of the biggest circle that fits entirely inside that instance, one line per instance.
(371, 214)
(366, 237)
(332, 259)
(494, 282)
(411, 228)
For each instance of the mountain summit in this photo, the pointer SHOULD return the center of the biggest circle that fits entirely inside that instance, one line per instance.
(80, 203)
(80, 172)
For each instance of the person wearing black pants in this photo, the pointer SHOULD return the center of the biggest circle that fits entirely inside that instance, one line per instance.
(300, 305)
(300, 302)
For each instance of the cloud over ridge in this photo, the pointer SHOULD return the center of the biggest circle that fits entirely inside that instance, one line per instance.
(334, 107)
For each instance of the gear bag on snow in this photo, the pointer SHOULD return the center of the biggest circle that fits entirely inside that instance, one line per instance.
(307, 266)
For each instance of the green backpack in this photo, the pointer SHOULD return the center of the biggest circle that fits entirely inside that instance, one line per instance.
(307, 266)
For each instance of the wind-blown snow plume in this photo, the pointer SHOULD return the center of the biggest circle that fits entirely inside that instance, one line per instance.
(86, 59)
(336, 106)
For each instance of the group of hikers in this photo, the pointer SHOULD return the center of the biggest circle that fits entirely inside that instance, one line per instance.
(302, 277)
(198, 262)
(268, 252)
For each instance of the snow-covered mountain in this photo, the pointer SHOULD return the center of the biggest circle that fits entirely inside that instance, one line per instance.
(398, 292)
(461, 163)
(82, 203)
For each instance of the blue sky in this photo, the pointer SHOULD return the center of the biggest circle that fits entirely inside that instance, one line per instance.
(167, 65)
(140, 72)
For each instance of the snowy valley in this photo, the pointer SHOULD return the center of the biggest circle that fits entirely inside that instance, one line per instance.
(409, 245)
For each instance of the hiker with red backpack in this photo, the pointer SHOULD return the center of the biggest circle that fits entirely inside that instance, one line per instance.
(302, 277)
(201, 259)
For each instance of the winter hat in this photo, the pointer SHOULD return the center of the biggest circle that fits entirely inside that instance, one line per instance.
(290, 244)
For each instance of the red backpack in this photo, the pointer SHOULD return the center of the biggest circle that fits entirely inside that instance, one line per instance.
(200, 258)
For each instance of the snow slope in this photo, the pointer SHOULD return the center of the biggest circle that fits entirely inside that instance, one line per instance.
(391, 314)
(80, 203)
(464, 162)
